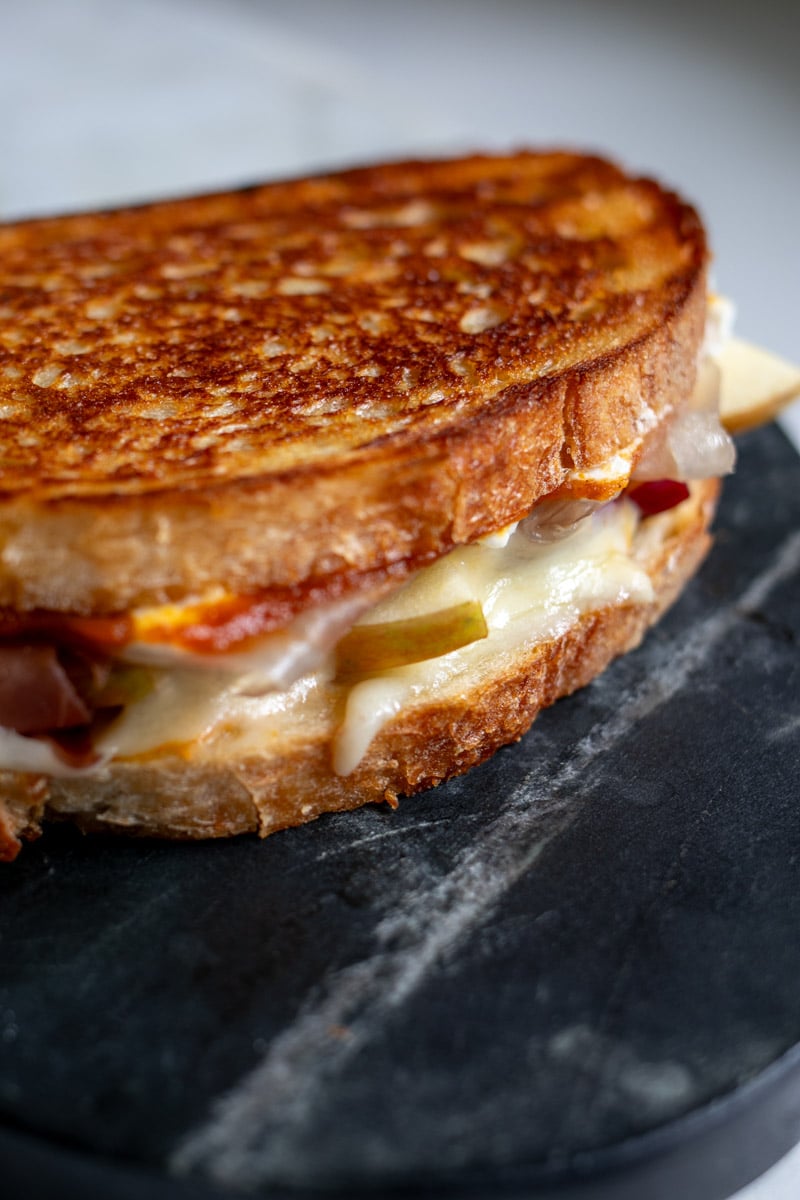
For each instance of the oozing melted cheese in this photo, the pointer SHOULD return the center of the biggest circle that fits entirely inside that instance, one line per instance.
(528, 592)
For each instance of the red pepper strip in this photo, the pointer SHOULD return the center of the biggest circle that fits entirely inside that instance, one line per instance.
(658, 495)
(104, 633)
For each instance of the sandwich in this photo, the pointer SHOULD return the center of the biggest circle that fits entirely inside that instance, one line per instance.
(314, 493)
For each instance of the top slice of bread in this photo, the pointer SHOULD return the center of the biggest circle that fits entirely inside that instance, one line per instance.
(280, 384)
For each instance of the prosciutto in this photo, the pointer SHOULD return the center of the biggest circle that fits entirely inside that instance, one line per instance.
(36, 693)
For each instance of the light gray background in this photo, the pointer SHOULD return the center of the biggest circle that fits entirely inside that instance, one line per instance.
(108, 100)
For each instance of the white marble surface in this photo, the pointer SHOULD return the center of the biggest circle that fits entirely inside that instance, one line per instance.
(108, 100)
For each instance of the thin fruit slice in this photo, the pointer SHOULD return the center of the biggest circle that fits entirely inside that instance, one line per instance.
(372, 649)
(756, 385)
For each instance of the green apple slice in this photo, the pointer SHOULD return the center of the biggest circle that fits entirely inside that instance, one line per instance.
(756, 385)
(125, 685)
(372, 649)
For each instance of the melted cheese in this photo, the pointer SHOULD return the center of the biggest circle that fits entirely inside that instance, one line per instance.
(18, 753)
(528, 593)
(274, 661)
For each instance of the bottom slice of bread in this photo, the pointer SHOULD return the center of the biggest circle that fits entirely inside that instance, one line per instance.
(291, 780)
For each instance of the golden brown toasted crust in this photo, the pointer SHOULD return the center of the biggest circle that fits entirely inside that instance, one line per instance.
(429, 742)
(277, 384)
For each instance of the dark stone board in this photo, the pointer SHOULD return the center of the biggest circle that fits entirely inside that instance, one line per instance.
(575, 972)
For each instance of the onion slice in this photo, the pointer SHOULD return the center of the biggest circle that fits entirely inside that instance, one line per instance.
(553, 520)
(693, 445)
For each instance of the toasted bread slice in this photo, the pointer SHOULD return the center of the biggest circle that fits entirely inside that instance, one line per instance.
(274, 386)
(213, 792)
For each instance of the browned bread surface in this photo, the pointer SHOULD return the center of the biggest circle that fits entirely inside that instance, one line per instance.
(430, 741)
(266, 386)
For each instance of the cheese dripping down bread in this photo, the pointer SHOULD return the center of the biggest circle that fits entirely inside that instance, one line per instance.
(314, 494)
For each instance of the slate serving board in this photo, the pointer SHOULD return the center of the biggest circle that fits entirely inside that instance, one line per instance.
(575, 972)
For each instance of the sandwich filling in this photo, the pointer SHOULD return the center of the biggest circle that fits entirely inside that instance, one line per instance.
(477, 602)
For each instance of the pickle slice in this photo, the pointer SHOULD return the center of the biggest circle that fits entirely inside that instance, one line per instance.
(372, 649)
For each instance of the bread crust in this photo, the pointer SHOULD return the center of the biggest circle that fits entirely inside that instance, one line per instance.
(189, 422)
(426, 744)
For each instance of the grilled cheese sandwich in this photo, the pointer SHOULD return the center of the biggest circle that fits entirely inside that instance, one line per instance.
(315, 494)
